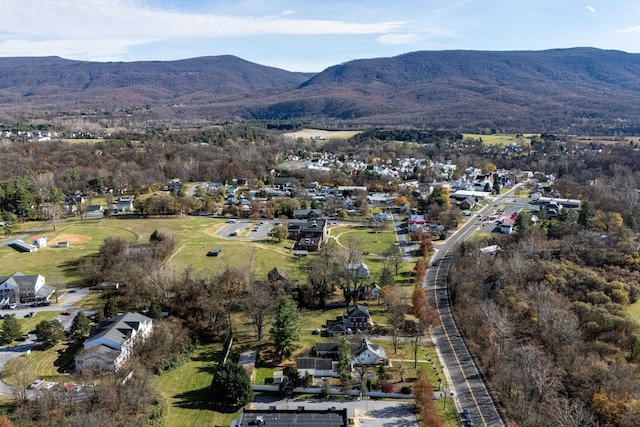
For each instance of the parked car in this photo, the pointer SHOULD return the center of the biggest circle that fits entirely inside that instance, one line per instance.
(13, 306)
(66, 313)
(55, 320)
(37, 383)
(71, 291)
(30, 314)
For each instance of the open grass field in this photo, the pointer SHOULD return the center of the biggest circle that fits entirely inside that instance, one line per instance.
(326, 134)
(60, 266)
(496, 139)
(186, 390)
(373, 241)
(195, 236)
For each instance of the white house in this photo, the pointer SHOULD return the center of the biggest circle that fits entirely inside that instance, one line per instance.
(366, 353)
(111, 343)
(125, 204)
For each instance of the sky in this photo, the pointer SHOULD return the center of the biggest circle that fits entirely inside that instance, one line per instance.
(307, 35)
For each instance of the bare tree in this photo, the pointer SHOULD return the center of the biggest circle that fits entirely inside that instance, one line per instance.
(259, 305)
(394, 255)
(571, 413)
(396, 312)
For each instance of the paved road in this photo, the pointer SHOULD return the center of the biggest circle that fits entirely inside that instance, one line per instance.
(25, 234)
(465, 380)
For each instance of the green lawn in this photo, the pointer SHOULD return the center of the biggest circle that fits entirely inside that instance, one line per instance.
(60, 266)
(373, 241)
(29, 323)
(49, 364)
(496, 139)
(186, 389)
(195, 236)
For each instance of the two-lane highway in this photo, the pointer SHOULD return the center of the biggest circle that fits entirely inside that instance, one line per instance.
(466, 381)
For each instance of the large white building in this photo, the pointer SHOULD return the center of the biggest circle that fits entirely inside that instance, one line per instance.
(110, 344)
(19, 288)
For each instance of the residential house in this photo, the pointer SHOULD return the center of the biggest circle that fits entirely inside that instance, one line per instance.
(71, 203)
(125, 204)
(357, 319)
(19, 288)
(309, 235)
(363, 352)
(95, 210)
(507, 225)
(174, 185)
(111, 343)
(367, 353)
(307, 213)
(468, 203)
(317, 367)
(416, 222)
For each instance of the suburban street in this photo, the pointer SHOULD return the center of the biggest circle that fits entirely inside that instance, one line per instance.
(465, 381)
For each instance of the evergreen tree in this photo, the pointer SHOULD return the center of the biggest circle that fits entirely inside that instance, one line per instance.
(111, 307)
(230, 388)
(49, 333)
(10, 329)
(155, 311)
(344, 365)
(586, 213)
(286, 326)
(80, 326)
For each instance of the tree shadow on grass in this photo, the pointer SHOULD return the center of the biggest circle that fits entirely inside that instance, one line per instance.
(194, 399)
(209, 355)
(66, 357)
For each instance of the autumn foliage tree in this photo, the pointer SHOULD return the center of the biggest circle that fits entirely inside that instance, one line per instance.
(423, 394)
(420, 270)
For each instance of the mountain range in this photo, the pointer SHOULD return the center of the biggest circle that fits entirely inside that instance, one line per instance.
(568, 90)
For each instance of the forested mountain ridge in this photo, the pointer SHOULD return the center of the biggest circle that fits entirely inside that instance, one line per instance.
(579, 90)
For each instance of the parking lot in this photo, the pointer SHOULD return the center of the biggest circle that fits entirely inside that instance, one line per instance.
(244, 229)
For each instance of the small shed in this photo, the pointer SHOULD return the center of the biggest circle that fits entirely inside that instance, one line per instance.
(215, 252)
(64, 244)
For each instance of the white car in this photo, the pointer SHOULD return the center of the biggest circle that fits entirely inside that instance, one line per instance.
(37, 383)
(13, 306)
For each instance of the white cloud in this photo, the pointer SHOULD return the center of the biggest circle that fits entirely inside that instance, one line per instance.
(396, 39)
(591, 9)
(635, 29)
(106, 28)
